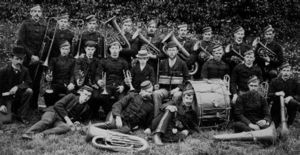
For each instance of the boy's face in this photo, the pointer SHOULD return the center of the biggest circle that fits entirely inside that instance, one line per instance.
(182, 32)
(218, 53)
(115, 51)
(151, 29)
(143, 60)
(239, 35)
(207, 36)
(269, 36)
(90, 51)
(84, 96)
(146, 92)
(286, 72)
(127, 27)
(36, 13)
(91, 25)
(17, 61)
(253, 86)
(187, 99)
(63, 23)
(172, 52)
(65, 50)
(249, 59)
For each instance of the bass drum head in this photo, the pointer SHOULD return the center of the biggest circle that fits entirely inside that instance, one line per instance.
(213, 102)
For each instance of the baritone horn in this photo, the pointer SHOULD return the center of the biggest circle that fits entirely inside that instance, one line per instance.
(268, 134)
(114, 141)
(104, 92)
(118, 35)
(128, 78)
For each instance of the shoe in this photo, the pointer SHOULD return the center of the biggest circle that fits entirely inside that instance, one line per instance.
(157, 140)
(27, 136)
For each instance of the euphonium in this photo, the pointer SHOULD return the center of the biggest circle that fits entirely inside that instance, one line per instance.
(127, 76)
(104, 92)
(269, 134)
(284, 131)
(114, 141)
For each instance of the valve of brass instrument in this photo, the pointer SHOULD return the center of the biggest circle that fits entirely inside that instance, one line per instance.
(81, 78)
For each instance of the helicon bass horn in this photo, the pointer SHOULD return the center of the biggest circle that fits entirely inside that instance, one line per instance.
(121, 37)
(114, 141)
(268, 135)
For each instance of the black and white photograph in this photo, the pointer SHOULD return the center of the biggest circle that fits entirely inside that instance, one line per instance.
(149, 77)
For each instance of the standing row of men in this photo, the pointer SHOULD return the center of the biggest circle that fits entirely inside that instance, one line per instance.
(102, 79)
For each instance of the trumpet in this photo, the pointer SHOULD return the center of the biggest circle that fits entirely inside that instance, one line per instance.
(104, 92)
(128, 79)
(49, 78)
(81, 78)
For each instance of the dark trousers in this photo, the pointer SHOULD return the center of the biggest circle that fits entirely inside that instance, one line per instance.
(50, 123)
(35, 84)
(104, 100)
(110, 123)
(161, 122)
(17, 105)
(240, 127)
(291, 109)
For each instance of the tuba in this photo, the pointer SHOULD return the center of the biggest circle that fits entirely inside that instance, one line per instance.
(115, 35)
(114, 141)
(268, 135)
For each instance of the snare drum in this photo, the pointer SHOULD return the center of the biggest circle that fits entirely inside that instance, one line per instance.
(213, 102)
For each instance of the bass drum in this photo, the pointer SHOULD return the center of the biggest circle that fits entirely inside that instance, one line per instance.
(213, 103)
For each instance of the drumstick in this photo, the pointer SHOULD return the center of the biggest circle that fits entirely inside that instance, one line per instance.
(6, 94)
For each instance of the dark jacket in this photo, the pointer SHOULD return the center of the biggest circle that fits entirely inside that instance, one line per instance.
(93, 36)
(240, 75)
(214, 69)
(59, 36)
(114, 70)
(9, 78)
(138, 75)
(179, 69)
(289, 87)
(90, 69)
(251, 107)
(66, 105)
(62, 68)
(30, 35)
(127, 53)
(134, 109)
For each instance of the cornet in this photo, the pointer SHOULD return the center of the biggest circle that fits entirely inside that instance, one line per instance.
(48, 88)
(104, 92)
(128, 78)
(81, 78)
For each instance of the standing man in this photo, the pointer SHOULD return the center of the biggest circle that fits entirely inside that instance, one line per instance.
(91, 34)
(30, 36)
(269, 54)
(242, 72)
(15, 88)
(286, 86)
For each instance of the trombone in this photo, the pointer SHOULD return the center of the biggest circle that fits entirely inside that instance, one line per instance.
(79, 24)
(128, 77)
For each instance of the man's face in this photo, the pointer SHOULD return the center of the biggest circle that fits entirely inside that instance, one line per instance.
(91, 26)
(127, 27)
(143, 60)
(172, 52)
(253, 86)
(36, 14)
(218, 53)
(269, 36)
(249, 59)
(188, 99)
(84, 96)
(286, 72)
(17, 61)
(238, 36)
(115, 51)
(207, 36)
(182, 32)
(63, 23)
(65, 50)
(151, 29)
(90, 51)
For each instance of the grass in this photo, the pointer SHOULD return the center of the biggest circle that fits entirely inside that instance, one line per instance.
(196, 144)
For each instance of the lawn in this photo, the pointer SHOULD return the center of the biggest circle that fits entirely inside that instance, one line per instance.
(198, 143)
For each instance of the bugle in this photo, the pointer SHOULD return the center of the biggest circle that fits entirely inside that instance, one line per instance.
(104, 92)
(114, 141)
(120, 36)
(284, 131)
(268, 134)
(128, 78)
